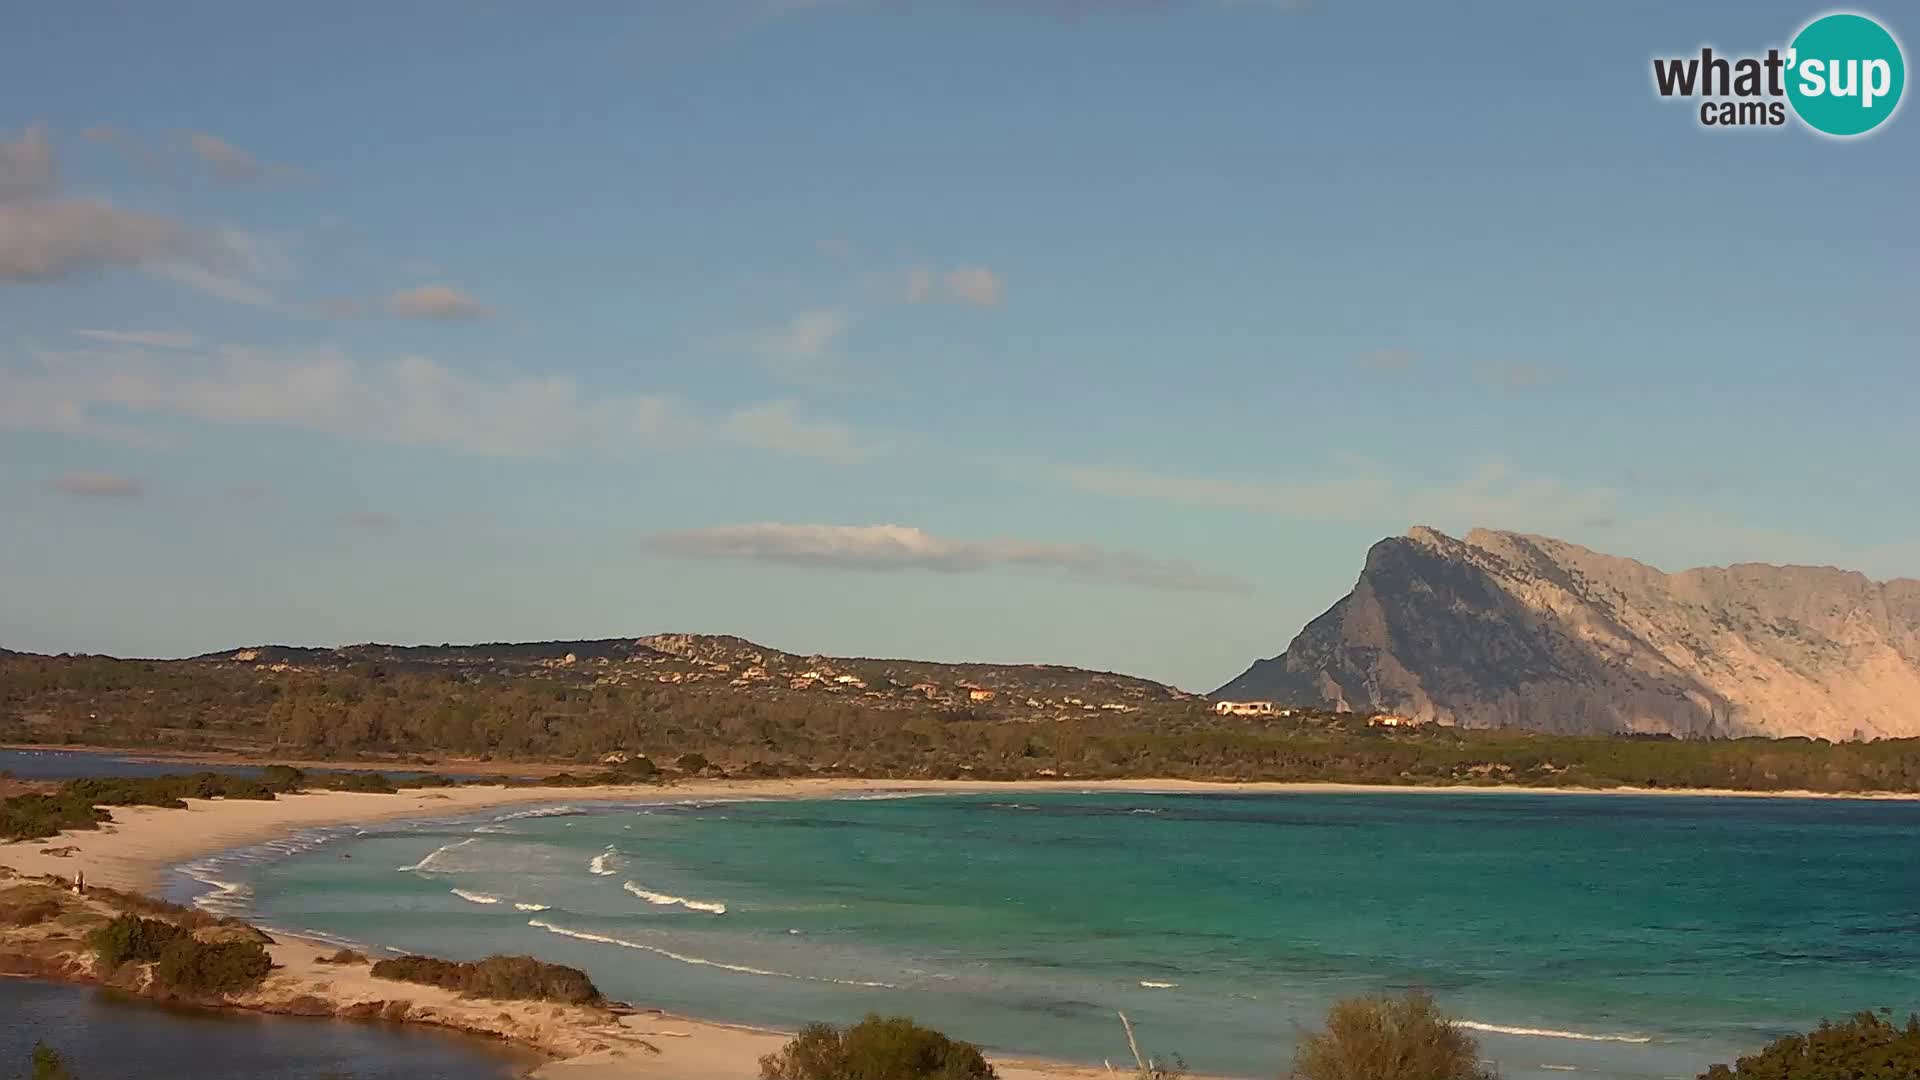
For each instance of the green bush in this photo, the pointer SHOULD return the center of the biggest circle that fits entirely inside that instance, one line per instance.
(1383, 1038)
(503, 978)
(692, 763)
(877, 1048)
(226, 967)
(48, 1064)
(1863, 1048)
(130, 938)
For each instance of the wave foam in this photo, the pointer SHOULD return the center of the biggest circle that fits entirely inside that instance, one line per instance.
(712, 907)
(698, 961)
(599, 866)
(425, 866)
(474, 897)
(1151, 985)
(531, 907)
(540, 812)
(227, 897)
(1549, 1033)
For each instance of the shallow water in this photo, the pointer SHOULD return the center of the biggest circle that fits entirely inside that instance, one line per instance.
(106, 1037)
(1606, 936)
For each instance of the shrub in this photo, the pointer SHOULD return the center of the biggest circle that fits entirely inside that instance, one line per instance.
(877, 1048)
(225, 967)
(282, 777)
(504, 978)
(361, 781)
(48, 1064)
(32, 913)
(692, 763)
(345, 956)
(130, 938)
(1382, 1038)
(1863, 1048)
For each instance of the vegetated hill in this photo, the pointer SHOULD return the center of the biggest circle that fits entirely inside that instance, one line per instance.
(734, 662)
(1509, 630)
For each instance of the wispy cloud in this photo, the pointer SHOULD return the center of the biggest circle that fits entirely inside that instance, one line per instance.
(364, 519)
(443, 302)
(808, 336)
(147, 339)
(975, 285)
(47, 239)
(48, 236)
(1359, 491)
(1385, 360)
(899, 548)
(98, 485)
(228, 162)
(27, 169)
(127, 143)
(1516, 375)
(415, 401)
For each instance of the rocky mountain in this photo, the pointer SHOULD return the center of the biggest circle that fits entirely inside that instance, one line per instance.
(1508, 630)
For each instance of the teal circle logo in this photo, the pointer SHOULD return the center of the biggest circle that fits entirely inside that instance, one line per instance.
(1845, 74)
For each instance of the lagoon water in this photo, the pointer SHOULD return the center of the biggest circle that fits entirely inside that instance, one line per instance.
(106, 1037)
(1604, 936)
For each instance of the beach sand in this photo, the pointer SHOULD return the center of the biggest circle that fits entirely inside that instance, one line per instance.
(137, 850)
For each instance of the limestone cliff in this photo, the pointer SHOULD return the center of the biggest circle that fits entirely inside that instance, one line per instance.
(1504, 629)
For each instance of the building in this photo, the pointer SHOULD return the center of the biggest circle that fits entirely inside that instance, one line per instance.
(1393, 721)
(979, 695)
(1245, 708)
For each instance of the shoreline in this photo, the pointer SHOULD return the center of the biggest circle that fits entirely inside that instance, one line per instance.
(143, 847)
(143, 844)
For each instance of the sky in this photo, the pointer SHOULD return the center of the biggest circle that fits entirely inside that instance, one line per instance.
(1109, 334)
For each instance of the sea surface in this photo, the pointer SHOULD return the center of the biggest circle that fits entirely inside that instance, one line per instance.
(1598, 936)
(106, 1037)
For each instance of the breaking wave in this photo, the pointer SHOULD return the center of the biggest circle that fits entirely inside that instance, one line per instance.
(426, 865)
(541, 811)
(227, 897)
(474, 897)
(602, 939)
(713, 907)
(599, 866)
(531, 907)
(1151, 985)
(1549, 1033)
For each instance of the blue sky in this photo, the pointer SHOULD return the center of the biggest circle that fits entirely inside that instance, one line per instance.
(1097, 333)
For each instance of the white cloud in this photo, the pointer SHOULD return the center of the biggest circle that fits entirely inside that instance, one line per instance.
(150, 339)
(437, 302)
(976, 285)
(415, 401)
(97, 485)
(896, 547)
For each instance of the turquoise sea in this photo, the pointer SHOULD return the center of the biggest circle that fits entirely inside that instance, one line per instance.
(1598, 936)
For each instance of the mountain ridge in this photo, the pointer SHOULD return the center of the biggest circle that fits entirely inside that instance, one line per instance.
(1507, 629)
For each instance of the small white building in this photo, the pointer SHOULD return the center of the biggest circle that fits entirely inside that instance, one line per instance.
(1245, 708)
